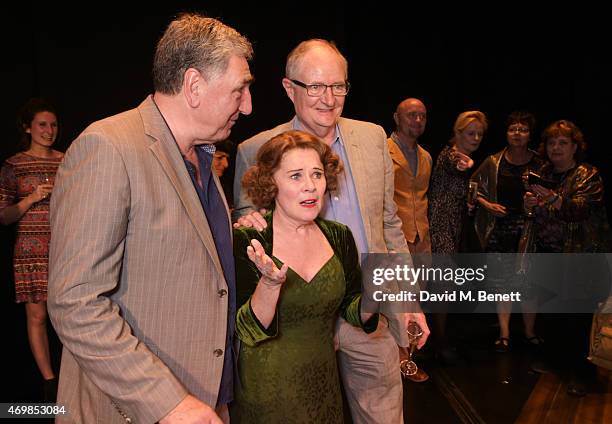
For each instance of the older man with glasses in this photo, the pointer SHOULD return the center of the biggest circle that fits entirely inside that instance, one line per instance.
(316, 83)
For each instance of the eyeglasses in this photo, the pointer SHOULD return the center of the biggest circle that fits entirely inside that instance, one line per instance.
(521, 130)
(416, 115)
(317, 90)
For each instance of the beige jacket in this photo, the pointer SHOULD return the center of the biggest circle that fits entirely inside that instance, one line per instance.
(136, 290)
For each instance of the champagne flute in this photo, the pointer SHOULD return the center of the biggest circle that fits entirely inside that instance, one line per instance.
(472, 192)
(408, 366)
(44, 179)
(529, 212)
(471, 197)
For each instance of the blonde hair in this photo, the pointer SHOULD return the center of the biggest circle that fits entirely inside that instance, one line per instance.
(466, 118)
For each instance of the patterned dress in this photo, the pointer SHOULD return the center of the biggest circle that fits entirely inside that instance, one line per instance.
(447, 203)
(19, 177)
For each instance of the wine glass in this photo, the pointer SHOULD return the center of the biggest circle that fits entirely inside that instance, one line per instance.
(407, 366)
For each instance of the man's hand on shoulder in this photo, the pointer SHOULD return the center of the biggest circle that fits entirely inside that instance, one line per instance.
(253, 219)
(191, 411)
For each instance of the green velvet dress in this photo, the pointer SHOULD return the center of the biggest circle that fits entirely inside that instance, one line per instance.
(288, 372)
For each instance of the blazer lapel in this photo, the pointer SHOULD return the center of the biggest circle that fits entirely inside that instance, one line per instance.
(398, 157)
(167, 153)
(423, 165)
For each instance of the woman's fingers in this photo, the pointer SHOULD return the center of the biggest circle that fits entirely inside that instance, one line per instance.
(264, 263)
(257, 245)
(283, 271)
(541, 191)
(41, 192)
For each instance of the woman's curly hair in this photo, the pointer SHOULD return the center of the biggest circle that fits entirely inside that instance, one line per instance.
(258, 181)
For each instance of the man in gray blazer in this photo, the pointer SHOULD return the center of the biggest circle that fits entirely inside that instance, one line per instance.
(316, 82)
(141, 267)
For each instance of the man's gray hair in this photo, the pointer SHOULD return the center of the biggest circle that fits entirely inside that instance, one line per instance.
(195, 41)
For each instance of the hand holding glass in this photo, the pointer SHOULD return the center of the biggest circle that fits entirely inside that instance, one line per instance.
(529, 212)
(45, 180)
(407, 366)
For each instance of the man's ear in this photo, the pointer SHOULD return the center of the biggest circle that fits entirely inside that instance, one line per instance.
(194, 86)
(395, 118)
(289, 88)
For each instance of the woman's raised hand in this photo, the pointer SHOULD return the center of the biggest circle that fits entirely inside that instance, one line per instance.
(462, 161)
(270, 274)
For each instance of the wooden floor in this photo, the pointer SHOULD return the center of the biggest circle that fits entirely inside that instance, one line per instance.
(489, 387)
(485, 387)
(550, 403)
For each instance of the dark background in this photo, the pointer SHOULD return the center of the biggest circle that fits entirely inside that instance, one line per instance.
(94, 60)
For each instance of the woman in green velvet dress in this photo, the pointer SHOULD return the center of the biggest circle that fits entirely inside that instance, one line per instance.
(293, 279)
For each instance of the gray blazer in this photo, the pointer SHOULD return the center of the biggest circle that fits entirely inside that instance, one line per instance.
(136, 289)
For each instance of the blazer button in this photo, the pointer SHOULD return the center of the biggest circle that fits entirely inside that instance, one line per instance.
(222, 292)
(218, 352)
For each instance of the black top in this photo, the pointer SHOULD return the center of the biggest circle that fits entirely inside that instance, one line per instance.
(510, 186)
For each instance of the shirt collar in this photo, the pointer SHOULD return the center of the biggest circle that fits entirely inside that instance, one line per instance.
(208, 148)
(395, 138)
(401, 145)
